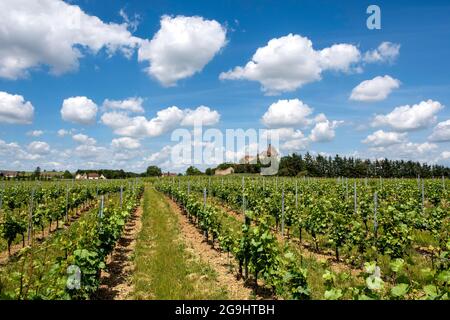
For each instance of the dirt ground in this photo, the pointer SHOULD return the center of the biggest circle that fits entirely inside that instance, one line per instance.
(227, 275)
(116, 281)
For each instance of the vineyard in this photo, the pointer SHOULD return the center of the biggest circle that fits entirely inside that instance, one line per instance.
(275, 238)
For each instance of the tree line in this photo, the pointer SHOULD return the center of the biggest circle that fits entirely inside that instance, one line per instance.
(337, 166)
(321, 166)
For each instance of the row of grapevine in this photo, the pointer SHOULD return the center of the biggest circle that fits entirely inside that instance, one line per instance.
(254, 247)
(368, 220)
(68, 264)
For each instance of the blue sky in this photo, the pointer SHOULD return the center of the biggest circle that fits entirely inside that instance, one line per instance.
(400, 112)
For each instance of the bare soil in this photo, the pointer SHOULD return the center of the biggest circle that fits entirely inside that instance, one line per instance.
(116, 279)
(227, 274)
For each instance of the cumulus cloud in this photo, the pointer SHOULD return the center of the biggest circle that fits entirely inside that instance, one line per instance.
(284, 113)
(441, 133)
(79, 110)
(63, 132)
(201, 114)
(84, 139)
(133, 104)
(287, 63)
(283, 133)
(406, 118)
(181, 47)
(445, 155)
(416, 151)
(324, 130)
(30, 39)
(376, 89)
(383, 139)
(86, 151)
(386, 52)
(164, 121)
(39, 147)
(14, 109)
(296, 144)
(35, 133)
(125, 143)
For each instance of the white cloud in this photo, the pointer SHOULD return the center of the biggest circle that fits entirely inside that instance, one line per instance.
(132, 23)
(13, 108)
(160, 156)
(324, 130)
(282, 134)
(386, 52)
(164, 121)
(181, 47)
(63, 132)
(405, 118)
(202, 114)
(125, 143)
(287, 63)
(339, 57)
(133, 104)
(441, 132)
(412, 148)
(445, 155)
(79, 110)
(56, 34)
(8, 148)
(409, 150)
(296, 144)
(86, 151)
(84, 139)
(35, 133)
(285, 113)
(376, 89)
(39, 147)
(383, 139)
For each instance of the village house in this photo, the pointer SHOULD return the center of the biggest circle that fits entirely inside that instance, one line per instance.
(8, 174)
(224, 172)
(90, 176)
(168, 174)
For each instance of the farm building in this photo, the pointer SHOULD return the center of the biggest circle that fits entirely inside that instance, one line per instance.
(9, 174)
(224, 172)
(90, 176)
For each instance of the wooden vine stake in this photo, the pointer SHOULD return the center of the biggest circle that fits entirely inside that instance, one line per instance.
(243, 196)
(375, 208)
(121, 196)
(67, 203)
(423, 197)
(30, 216)
(102, 203)
(1, 195)
(204, 198)
(282, 212)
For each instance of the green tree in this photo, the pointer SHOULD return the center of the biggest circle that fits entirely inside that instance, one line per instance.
(67, 175)
(193, 171)
(153, 171)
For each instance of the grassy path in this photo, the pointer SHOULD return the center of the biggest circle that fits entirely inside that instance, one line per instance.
(164, 269)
